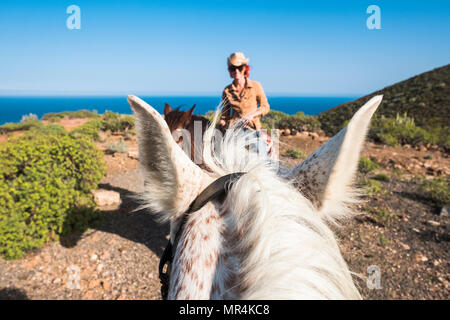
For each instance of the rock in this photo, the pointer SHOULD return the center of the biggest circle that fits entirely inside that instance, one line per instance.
(407, 146)
(314, 135)
(106, 197)
(405, 246)
(93, 257)
(100, 267)
(445, 211)
(133, 154)
(287, 132)
(433, 223)
(293, 132)
(420, 258)
(106, 285)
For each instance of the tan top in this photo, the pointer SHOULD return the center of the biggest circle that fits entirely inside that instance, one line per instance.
(234, 106)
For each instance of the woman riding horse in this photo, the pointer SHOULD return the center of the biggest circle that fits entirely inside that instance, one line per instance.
(241, 98)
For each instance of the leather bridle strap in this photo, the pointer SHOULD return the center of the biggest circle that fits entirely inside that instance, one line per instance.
(216, 190)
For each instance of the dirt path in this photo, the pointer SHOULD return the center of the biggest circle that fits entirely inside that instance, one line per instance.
(119, 259)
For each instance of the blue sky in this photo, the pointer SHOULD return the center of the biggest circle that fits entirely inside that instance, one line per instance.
(180, 47)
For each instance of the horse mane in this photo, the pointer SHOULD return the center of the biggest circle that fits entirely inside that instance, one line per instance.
(282, 239)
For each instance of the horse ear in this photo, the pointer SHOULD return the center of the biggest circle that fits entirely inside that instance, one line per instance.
(167, 109)
(172, 180)
(186, 118)
(325, 177)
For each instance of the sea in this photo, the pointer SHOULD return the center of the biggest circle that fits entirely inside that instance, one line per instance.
(13, 108)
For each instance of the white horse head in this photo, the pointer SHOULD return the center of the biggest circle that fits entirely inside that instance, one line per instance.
(266, 240)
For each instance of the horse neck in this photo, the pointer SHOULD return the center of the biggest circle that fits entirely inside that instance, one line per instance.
(196, 258)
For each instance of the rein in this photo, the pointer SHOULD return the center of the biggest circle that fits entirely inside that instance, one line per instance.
(217, 190)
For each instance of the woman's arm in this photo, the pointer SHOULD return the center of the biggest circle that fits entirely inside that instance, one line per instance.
(264, 106)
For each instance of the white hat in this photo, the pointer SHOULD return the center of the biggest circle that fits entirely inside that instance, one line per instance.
(237, 59)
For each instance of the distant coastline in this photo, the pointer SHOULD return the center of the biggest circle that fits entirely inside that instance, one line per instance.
(13, 107)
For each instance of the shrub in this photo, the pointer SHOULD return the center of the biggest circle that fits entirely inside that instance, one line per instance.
(437, 190)
(295, 153)
(27, 125)
(400, 130)
(54, 117)
(381, 177)
(299, 121)
(115, 122)
(373, 187)
(30, 116)
(45, 189)
(366, 165)
(89, 130)
(53, 129)
(117, 146)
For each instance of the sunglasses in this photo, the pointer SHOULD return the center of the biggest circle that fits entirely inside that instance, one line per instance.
(233, 68)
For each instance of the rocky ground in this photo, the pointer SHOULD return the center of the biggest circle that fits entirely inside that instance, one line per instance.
(407, 244)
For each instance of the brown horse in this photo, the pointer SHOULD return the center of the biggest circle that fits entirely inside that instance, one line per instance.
(186, 121)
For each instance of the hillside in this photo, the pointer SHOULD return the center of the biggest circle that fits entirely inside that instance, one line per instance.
(425, 97)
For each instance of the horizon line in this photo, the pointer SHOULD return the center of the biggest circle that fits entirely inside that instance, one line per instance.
(170, 94)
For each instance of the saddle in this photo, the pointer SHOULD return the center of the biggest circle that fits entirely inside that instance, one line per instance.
(217, 190)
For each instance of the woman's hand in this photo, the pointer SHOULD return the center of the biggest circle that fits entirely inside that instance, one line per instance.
(251, 115)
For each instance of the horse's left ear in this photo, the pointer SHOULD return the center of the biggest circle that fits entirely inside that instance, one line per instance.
(167, 109)
(171, 179)
(325, 177)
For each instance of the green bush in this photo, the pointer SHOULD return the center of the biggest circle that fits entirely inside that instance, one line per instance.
(23, 126)
(54, 117)
(401, 130)
(437, 190)
(295, 153)
(53, 129)
(89, 130)
(299, 121)
(45, 189)
(115, 122)
(389, 130)
(366, 165)
(372, 187)
(381, 177)
(117, 146)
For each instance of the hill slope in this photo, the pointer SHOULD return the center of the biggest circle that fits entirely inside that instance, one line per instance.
(425, 97)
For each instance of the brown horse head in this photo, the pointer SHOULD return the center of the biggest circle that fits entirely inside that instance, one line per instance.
(186, 120)
(177, 119)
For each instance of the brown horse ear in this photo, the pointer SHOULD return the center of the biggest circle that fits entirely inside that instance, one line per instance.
(191, 111)
(167, 108)
(187, 115)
